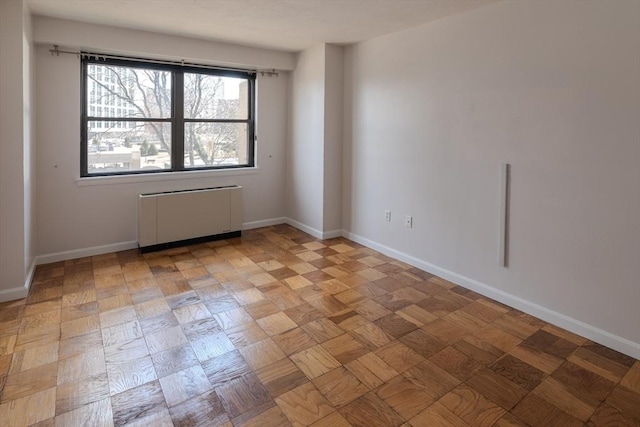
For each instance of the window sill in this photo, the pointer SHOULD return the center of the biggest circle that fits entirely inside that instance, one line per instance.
(162, 176)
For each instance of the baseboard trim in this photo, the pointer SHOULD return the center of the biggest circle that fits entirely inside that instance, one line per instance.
(263, 223)
(322, 235)
(578, 327)
(81, 253)
(303, 227)
(19, 292)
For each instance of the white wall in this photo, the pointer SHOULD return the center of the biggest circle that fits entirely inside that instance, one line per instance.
(74, 218)
(305, 153)
(333, 121)
(552, 88)
(16, 183)
(146, 44)
(314, 163)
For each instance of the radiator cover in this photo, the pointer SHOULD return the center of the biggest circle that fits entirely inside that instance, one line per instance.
(176, 218)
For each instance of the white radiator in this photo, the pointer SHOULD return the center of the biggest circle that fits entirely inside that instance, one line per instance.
(172, 218)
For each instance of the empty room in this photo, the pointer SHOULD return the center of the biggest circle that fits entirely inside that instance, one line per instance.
(333, 213)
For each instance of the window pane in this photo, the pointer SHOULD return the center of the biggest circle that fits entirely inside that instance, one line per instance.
(138, 92)
(215, 144)
(128, 146)
(215, 97)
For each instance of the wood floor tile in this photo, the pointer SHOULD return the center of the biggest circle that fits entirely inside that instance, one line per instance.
(371, 310)
(28, 382)
(518, 372)
(137, 404)
(371, 370)
(304, 405)
(152, 308)
(232, 318)
(370, 410)
(437, 415)
(262, 308)
(371, 336)
(537, 411)
(422, 343)
(515, 327)
(165, 339)
(626, 401)
(322, 330)
(404, 397)
(127, 375)
(212, 346)
(185, 384)
(293, 341)
(399, 356)
(478, 350)
(601, 365)
(578, 405)
(632, 379)
(538, 359)
(262, 353)
(117, 316)
(550, 344)
(225, 367)
(81, 344)
(272, 417)
(340, 387)
(276, 323)
(72, 395)
(201, 328)
(79, 311)
(430, 378)
(281, 377)
(244, 397)
(315, 361)
(30, 409)
(92, 414)
(456, 363)
(583, 382)
(191, 313)
(609, 416)
(203, 411)
(497, 388)
(395, 325)
(246, 334)
(122, 333)
(82, 365)
(174, 360)
(33, 357)
(471, 406)
(345, 348)
(126, 351)
(466, 321)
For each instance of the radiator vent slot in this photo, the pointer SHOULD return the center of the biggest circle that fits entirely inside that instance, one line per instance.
(180, 217)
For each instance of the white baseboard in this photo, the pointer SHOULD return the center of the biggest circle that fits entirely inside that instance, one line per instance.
(578, 327)
(313, 231)
(80, 253)
(19, 292)
(263, 223)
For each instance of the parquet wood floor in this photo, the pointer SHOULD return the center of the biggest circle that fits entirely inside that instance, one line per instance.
(277, 328)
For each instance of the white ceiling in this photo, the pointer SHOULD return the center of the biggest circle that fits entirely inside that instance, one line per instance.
(290, 25)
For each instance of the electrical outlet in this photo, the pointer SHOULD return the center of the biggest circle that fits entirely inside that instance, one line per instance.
(387, 216)
(408, 221)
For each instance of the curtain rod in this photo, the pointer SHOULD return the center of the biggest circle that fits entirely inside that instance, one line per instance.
(82, 54)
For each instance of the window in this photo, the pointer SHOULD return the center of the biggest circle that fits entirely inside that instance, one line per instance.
(143, 117)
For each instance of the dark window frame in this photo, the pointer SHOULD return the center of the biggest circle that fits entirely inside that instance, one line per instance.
(177, 119)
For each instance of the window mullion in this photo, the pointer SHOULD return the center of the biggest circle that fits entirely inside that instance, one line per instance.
(177, 149)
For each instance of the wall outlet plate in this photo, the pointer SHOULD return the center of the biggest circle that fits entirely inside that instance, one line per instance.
(408, 221)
